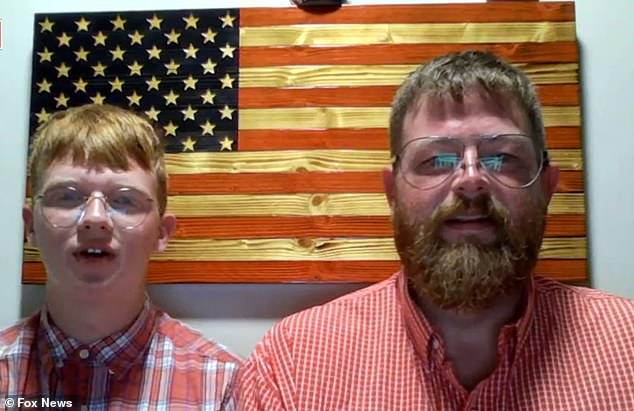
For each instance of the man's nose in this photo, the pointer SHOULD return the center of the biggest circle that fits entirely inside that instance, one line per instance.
(471, 181)
(95, 217)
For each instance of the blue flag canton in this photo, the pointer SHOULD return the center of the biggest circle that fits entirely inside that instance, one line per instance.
(179, 67)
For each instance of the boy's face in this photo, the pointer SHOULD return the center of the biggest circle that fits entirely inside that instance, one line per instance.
(99, 248)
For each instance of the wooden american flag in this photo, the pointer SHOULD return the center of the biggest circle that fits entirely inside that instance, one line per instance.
(286, 187)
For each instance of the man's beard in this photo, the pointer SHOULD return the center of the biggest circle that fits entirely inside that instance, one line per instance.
(467, 275)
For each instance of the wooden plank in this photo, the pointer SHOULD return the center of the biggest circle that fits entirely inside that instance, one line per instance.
(561, 51)
(182, 272)
(298, 182)
(364, 138)
(378, 75)
(306, 248)
(432, 13)
(360, 117)
(369, 96)
(557, 225)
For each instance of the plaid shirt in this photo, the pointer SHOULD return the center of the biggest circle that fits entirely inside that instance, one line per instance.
(572, 349)
(157, 363)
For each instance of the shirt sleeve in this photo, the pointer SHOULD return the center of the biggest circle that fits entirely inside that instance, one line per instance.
(266, 380)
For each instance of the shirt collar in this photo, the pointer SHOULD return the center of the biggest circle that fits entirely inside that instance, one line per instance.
(118, 352)
(426, 339)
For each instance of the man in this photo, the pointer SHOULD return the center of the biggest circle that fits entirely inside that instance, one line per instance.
(99, 188)
(465, 324)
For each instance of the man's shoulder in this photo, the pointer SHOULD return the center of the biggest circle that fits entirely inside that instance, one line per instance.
(357, 309)
(188, 342)
(17, 338)
(592, 306)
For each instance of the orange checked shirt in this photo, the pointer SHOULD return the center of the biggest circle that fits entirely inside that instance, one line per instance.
(572, 349)
(157, 363)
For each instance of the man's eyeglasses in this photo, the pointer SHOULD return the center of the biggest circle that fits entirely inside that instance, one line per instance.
(510, 159)
(65, 206)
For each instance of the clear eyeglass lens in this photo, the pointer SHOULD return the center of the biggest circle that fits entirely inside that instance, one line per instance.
(510, 159)
(63, 206)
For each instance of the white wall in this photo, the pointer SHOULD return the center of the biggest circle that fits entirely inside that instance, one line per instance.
(238, 315)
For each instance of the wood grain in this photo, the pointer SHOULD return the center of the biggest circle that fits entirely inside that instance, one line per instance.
(175, 272)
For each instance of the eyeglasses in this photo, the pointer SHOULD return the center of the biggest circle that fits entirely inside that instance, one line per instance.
(65, 206)
(510, 159)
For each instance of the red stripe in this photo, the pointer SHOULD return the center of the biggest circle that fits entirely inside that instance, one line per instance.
(370, 96)
(367, 139)
(429, 13)
(302, 182)
(260, 56)
(176, 272)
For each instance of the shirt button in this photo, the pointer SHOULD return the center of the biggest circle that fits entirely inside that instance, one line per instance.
(83, 354)
(435, 344)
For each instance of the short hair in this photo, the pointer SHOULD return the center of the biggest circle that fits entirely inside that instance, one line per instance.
(99, 135)
(455, 75)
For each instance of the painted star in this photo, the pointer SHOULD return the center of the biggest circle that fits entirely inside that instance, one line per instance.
(153, 83)
(171, 98)
(208, 97)
(189, 113)
(116, 84)
(208, 128)
(80, 85)
(44, 86)
(100, 69)
(225, 144)
(118, 23)
(136, 38)
(209, 67)
(227, 20)
(188, 145)
(172, 67)
(82, 24)
(98, 98)
(191, 22)
(42, 116)
(134, 99)
(190, 83)
(64, 40)
(172, 37)
(117, 54)
(209, 36)
(81, 54)
(227, 81)
(62, 100)
(46, 25)
(135, 68)
(170, 129)
(153, 113)
(154, 53)
(226, 112)
(62, 70)
(100, 39)
(190, 52)
(155, 22)
(45, 55)
(227, 51)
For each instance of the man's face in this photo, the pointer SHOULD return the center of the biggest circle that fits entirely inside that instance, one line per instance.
(97, 251)
(470, 239)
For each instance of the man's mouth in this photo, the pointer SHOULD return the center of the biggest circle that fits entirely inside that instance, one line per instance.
(94, 254)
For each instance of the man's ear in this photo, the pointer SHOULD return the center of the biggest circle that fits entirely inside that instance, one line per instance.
(166, 230)
(550, 181)
(389, 185)
(27, 217)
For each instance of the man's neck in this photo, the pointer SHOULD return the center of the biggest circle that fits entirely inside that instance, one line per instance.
(90, 315)
(471, 338)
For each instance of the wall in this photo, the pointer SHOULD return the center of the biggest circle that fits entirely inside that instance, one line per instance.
(238, 315)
